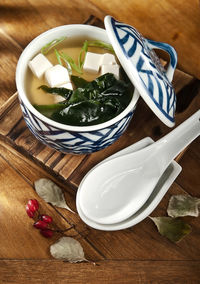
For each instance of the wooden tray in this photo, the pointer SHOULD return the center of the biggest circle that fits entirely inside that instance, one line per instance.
(72, 168)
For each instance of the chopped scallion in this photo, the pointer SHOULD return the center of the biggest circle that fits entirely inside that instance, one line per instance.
(45, 49)
(71, 61)
(82, 54)
(102, 44)
(58, 56)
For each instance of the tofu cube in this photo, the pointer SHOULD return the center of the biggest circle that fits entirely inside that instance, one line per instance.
(39, 65)
(67, 86)
(57, 98)
(92, 62)
(107, 59)
(57, 75)
(108, 68)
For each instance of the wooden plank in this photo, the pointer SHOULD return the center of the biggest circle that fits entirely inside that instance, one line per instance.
(121, 272)
(10, 52)
(10, 115)
(38, 17)
(27, 167)
(187, 95)
(75, 10)
(64, 164)
(15, 15)
(17, 128)
(8, 104)
(26, 140)
(44, 154)
(189, 179)
(182, 79)
(64, 161)
(73, 163)
(54, 159)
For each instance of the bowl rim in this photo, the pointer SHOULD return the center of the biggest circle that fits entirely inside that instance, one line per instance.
(22, 64)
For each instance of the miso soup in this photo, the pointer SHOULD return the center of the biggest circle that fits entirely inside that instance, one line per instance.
(92, 95)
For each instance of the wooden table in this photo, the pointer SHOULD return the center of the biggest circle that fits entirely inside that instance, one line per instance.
(135, 255)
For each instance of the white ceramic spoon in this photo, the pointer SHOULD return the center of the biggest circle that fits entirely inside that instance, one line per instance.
(154, 199)
(116, 189)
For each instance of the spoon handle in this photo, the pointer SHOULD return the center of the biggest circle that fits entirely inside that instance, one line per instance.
(173, 143)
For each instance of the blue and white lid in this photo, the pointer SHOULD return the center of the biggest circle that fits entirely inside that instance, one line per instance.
(143, 67)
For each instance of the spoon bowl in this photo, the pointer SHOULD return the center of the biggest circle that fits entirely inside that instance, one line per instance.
(116, 189)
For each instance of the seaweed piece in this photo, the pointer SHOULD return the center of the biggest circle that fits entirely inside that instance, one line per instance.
(80, 113)
(66, 93)
(48, 110)
(92, 102)
(79, 82)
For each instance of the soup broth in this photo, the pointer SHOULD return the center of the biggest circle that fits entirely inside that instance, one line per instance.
(71, 46)
(95, 98)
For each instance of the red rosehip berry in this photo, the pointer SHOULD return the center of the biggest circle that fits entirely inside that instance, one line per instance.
(33, 205)
(29, 212)
(46, 218)
(47, 233)
(40, 225)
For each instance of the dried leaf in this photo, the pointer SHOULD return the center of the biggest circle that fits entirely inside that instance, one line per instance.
(69, 249)
(51, 193)
(183, 205)
(172, 228)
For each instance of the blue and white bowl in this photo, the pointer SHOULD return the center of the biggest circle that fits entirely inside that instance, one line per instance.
(67, 138)
(141, 64)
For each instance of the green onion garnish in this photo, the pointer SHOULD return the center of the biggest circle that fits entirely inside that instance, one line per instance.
(102, 44)
(82, 55)
(45, 49)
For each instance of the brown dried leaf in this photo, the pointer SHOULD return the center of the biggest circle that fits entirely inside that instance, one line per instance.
(172, 228)
(69, 249)
(183, 205)
(50, 192)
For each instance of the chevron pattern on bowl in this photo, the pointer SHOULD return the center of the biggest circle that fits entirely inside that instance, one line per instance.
(73, 141)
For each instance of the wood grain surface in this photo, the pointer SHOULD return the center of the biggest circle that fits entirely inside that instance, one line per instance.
(122, 272)
(135, 255)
